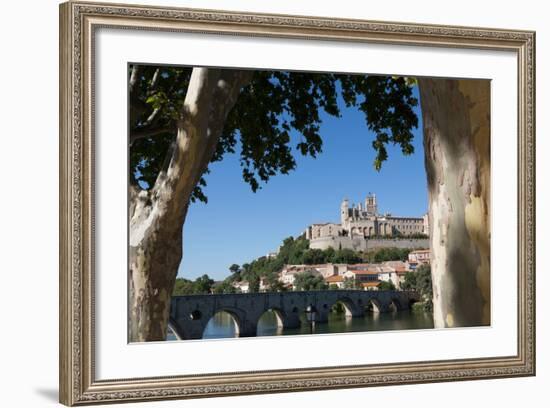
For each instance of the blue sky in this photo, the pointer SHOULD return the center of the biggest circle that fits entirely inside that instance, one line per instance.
(237, 225)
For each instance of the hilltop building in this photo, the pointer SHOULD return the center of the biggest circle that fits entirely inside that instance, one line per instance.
(363, 228)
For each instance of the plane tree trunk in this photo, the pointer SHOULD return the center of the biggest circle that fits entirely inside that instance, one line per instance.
(156, 216)
(456, 120)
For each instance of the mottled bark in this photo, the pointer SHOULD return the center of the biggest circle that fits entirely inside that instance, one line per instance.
(456, 119)
(157, 216)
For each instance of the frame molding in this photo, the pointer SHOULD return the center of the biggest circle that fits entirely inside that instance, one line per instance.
(78, 385)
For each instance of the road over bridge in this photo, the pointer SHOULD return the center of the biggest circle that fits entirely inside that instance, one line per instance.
(190, 314)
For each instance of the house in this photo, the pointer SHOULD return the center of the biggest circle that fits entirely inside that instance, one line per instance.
(244, 286)
(289, 272)
(386, 274)
(393, 271)
(336, 274)
(370, 285)
(264, 285)
(361, 275)
(337, 280)
(419, 257)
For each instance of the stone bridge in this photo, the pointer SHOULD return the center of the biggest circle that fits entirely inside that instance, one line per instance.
(190, 314)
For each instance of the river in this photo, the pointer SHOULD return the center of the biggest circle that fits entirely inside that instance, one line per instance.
(222, 324)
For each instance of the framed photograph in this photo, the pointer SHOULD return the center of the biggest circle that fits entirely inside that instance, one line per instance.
(256, 203)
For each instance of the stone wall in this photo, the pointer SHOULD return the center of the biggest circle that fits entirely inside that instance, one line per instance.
(361, 244)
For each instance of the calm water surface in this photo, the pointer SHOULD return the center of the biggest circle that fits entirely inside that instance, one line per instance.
(222, 324)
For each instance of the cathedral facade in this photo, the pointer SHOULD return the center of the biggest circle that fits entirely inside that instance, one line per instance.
(360, 223)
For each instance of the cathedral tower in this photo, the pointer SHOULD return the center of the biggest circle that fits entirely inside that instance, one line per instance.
(344, 212)
(370, 204)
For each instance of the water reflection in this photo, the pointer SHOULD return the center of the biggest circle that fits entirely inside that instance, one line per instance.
(223, 325)
(270, 324)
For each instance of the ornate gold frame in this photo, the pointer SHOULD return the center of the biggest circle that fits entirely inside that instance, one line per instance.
(77, 380)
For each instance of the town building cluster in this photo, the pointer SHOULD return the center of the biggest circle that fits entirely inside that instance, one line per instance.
(366, 276)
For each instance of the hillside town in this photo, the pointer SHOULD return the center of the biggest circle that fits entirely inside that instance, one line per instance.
(367, 250)
(365, 276)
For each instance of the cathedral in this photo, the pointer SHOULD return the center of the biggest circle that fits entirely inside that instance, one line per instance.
(361, 223)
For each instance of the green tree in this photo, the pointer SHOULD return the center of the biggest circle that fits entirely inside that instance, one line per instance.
(386, 285)
(235, 271)
(254, 284)
(387, 254)
(348, 256)
(409, 282)
(234, 268)
(225, 286)
(200, 286)
(424, 285)
(273, 284)
(183, 287)
(309, 281)
(350, 283)
(313, 257)
(182, 119)
(203, 285)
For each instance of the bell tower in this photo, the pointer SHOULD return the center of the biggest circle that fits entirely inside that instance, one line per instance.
(370, 204)
(344, 212)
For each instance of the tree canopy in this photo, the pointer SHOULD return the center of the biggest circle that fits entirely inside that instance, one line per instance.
(309, 281)
(421, 281)
(200, 286)
(277, 115)
(386, 285)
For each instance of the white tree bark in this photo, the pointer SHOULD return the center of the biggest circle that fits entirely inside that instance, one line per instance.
(157, 216)
(456, 120)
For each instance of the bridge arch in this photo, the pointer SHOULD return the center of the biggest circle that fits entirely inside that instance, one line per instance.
(374, 305)
(351, 307)
(395, 304)
(234, 330)
(411, 301)
(176, 329)
(271, 321)
(280, 315)
(347, 304)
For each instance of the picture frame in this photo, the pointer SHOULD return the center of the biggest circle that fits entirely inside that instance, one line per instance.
(79, 23)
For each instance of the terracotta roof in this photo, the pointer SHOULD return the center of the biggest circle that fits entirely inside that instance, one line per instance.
(370, 284)
(335, 278)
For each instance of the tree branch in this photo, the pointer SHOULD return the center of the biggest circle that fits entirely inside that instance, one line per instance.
(211, 95)
(191, 140)
(145, 132)
(154, 80)
(226, 94)
(137, 106)
(133, 78)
